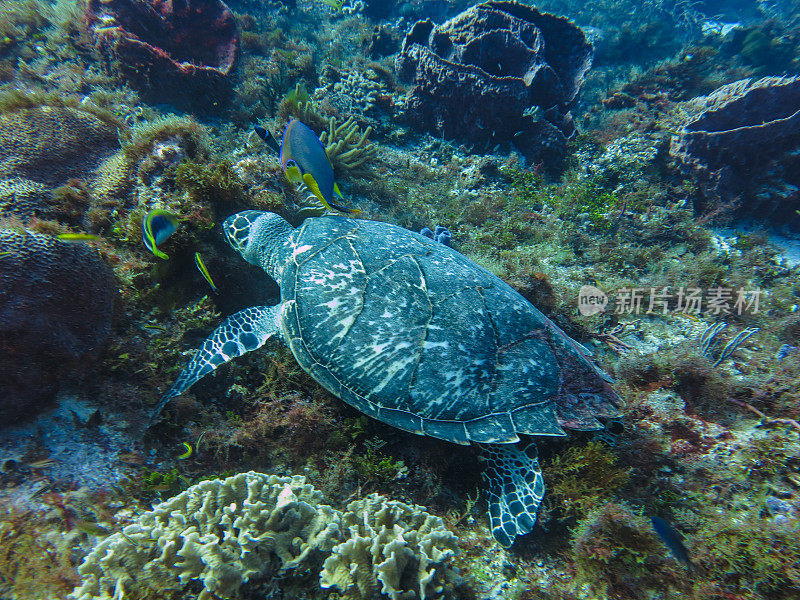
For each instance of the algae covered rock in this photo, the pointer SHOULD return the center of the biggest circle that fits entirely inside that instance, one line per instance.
(501, 71)
(393, 550)
(56, 302)
(220, 533)
(179, 52)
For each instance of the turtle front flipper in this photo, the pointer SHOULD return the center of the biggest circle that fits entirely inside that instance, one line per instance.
(242, 332)
(515, 489)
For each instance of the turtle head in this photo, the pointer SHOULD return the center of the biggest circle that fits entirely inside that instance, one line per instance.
(258, 236)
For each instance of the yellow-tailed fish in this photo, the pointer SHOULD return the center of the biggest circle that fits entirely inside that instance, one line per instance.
(188, 453)
(157, 226)
(77, 237)
(201, 266)
(304, 161)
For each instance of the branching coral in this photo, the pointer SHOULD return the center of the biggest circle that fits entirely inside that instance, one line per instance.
(344, 147)
(298, 104)
(394, 549)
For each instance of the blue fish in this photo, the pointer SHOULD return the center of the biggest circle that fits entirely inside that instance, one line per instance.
(673, 541)
(157, 226)
(304, 161)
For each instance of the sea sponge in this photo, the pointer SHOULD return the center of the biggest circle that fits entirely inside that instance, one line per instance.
(222, 532)
(182, 52)
(394, 549)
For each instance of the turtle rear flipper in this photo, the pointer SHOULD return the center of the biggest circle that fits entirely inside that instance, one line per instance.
(515, 489)
(241, 332)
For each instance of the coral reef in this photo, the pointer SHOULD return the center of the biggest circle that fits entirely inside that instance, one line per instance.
(56, 301)
(146, 163)
(500, 71)
(222, 532)
(393, 549)
(734, 130)
(183, 53)
(617, 554)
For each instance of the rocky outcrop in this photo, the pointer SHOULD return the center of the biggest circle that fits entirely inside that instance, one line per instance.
(182, 52)
(728, 141)
(500, 71)
(56, 301)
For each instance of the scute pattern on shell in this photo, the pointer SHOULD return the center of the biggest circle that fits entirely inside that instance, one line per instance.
(412, 333)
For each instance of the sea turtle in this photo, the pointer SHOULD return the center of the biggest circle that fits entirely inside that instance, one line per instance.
(414, 334)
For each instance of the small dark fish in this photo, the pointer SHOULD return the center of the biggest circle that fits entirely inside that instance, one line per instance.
(268, 138)
(672, 539)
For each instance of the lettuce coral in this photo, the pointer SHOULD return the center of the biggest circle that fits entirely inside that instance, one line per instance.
(394, 549)
(222, 532)
(218, 535)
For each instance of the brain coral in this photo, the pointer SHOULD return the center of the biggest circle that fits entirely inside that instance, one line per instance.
(181, 52)
(394, 549)
(56, 301)
(42, 147)
(727, 137)
(500, 71)
(220, 533)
